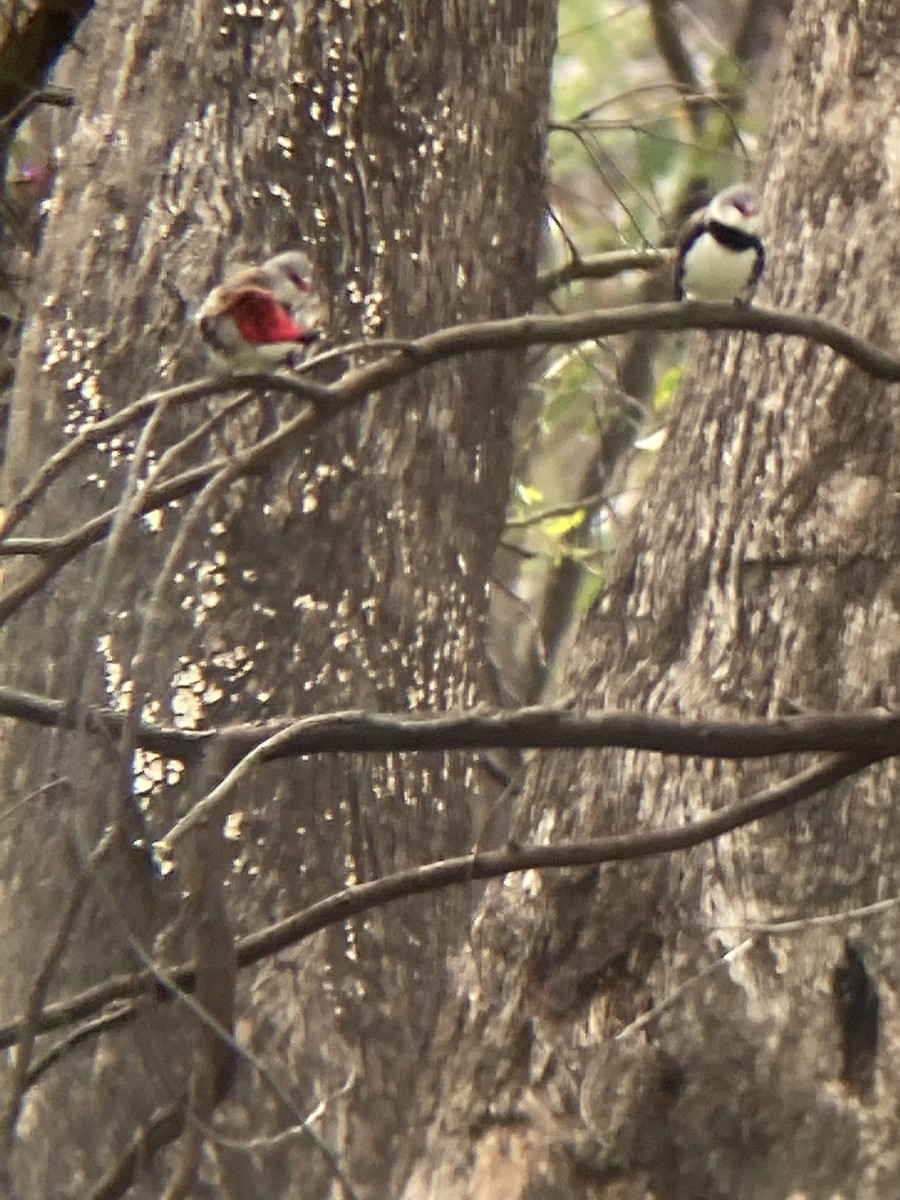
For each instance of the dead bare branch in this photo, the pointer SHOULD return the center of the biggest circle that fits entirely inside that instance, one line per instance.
(28, 1027)
(164, 1127)
(538, 727)
(435, 876)
(355, 385)
(601, 266)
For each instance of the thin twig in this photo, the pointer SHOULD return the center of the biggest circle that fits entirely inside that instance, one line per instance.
(28, 1028)
(652, 1015)
(163, 1128)
(802, 924)
(594, 500)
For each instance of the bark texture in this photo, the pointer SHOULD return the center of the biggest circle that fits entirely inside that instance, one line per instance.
(761, 575)
(404, 142)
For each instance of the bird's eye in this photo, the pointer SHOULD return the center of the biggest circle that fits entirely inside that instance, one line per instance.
(301, 284)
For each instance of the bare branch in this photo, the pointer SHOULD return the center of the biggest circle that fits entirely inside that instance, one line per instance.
(121, 1014)
(494, 863)
(601, 266)
(673, 52)
(592, 501)
(516, 332)
(361, 382)
(539, 727)
(53, 97)
(407, 358)
(29, 54)
(417, 881)
(803, 924)
(546, 728)
(57, 552)
(28, 1027)
(652, 1015)
(163, 1128)
(90, 436)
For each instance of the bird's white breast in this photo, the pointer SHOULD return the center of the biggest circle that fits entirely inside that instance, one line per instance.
(713, 273)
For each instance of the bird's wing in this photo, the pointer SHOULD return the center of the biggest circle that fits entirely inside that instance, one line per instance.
(690, 231)
(759, 264)
(262, 321)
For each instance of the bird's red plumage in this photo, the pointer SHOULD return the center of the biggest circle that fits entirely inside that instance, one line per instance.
(262, 321)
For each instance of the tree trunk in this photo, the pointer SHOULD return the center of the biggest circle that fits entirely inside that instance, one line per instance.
(760, 577)
(404, 142)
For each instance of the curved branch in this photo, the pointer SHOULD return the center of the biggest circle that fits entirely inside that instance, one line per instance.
(492, 864)
(539, 727)
(99, 431)
(163, 1128)
(359, 383)
(518, 332)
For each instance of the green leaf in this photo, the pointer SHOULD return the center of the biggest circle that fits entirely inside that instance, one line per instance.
(558, 527)
(528, 495)
(667, 388)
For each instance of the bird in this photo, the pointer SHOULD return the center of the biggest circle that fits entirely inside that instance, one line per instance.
(263, 317)
(720, 254)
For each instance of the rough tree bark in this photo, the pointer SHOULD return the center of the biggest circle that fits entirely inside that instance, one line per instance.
(761, 575)
(404, 141)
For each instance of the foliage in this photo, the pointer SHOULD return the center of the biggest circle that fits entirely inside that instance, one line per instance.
(625, 150)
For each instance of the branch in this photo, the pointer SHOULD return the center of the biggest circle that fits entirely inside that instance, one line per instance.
(122, 1014)
(494, 863)
(673, 52)
(517, 332)
(51, 96)
(359, 383)
(146, 406)
(99, 431)
(29, 54)
(540, 727)
(37, 710)
(601, 266)
(588, 503)
(417, 881)
(57, 552)
(163, 1128)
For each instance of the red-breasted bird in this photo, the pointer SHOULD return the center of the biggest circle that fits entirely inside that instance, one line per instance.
(720, 254)
(263, 317)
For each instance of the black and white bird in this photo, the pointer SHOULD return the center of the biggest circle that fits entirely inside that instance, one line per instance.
(720, 253)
